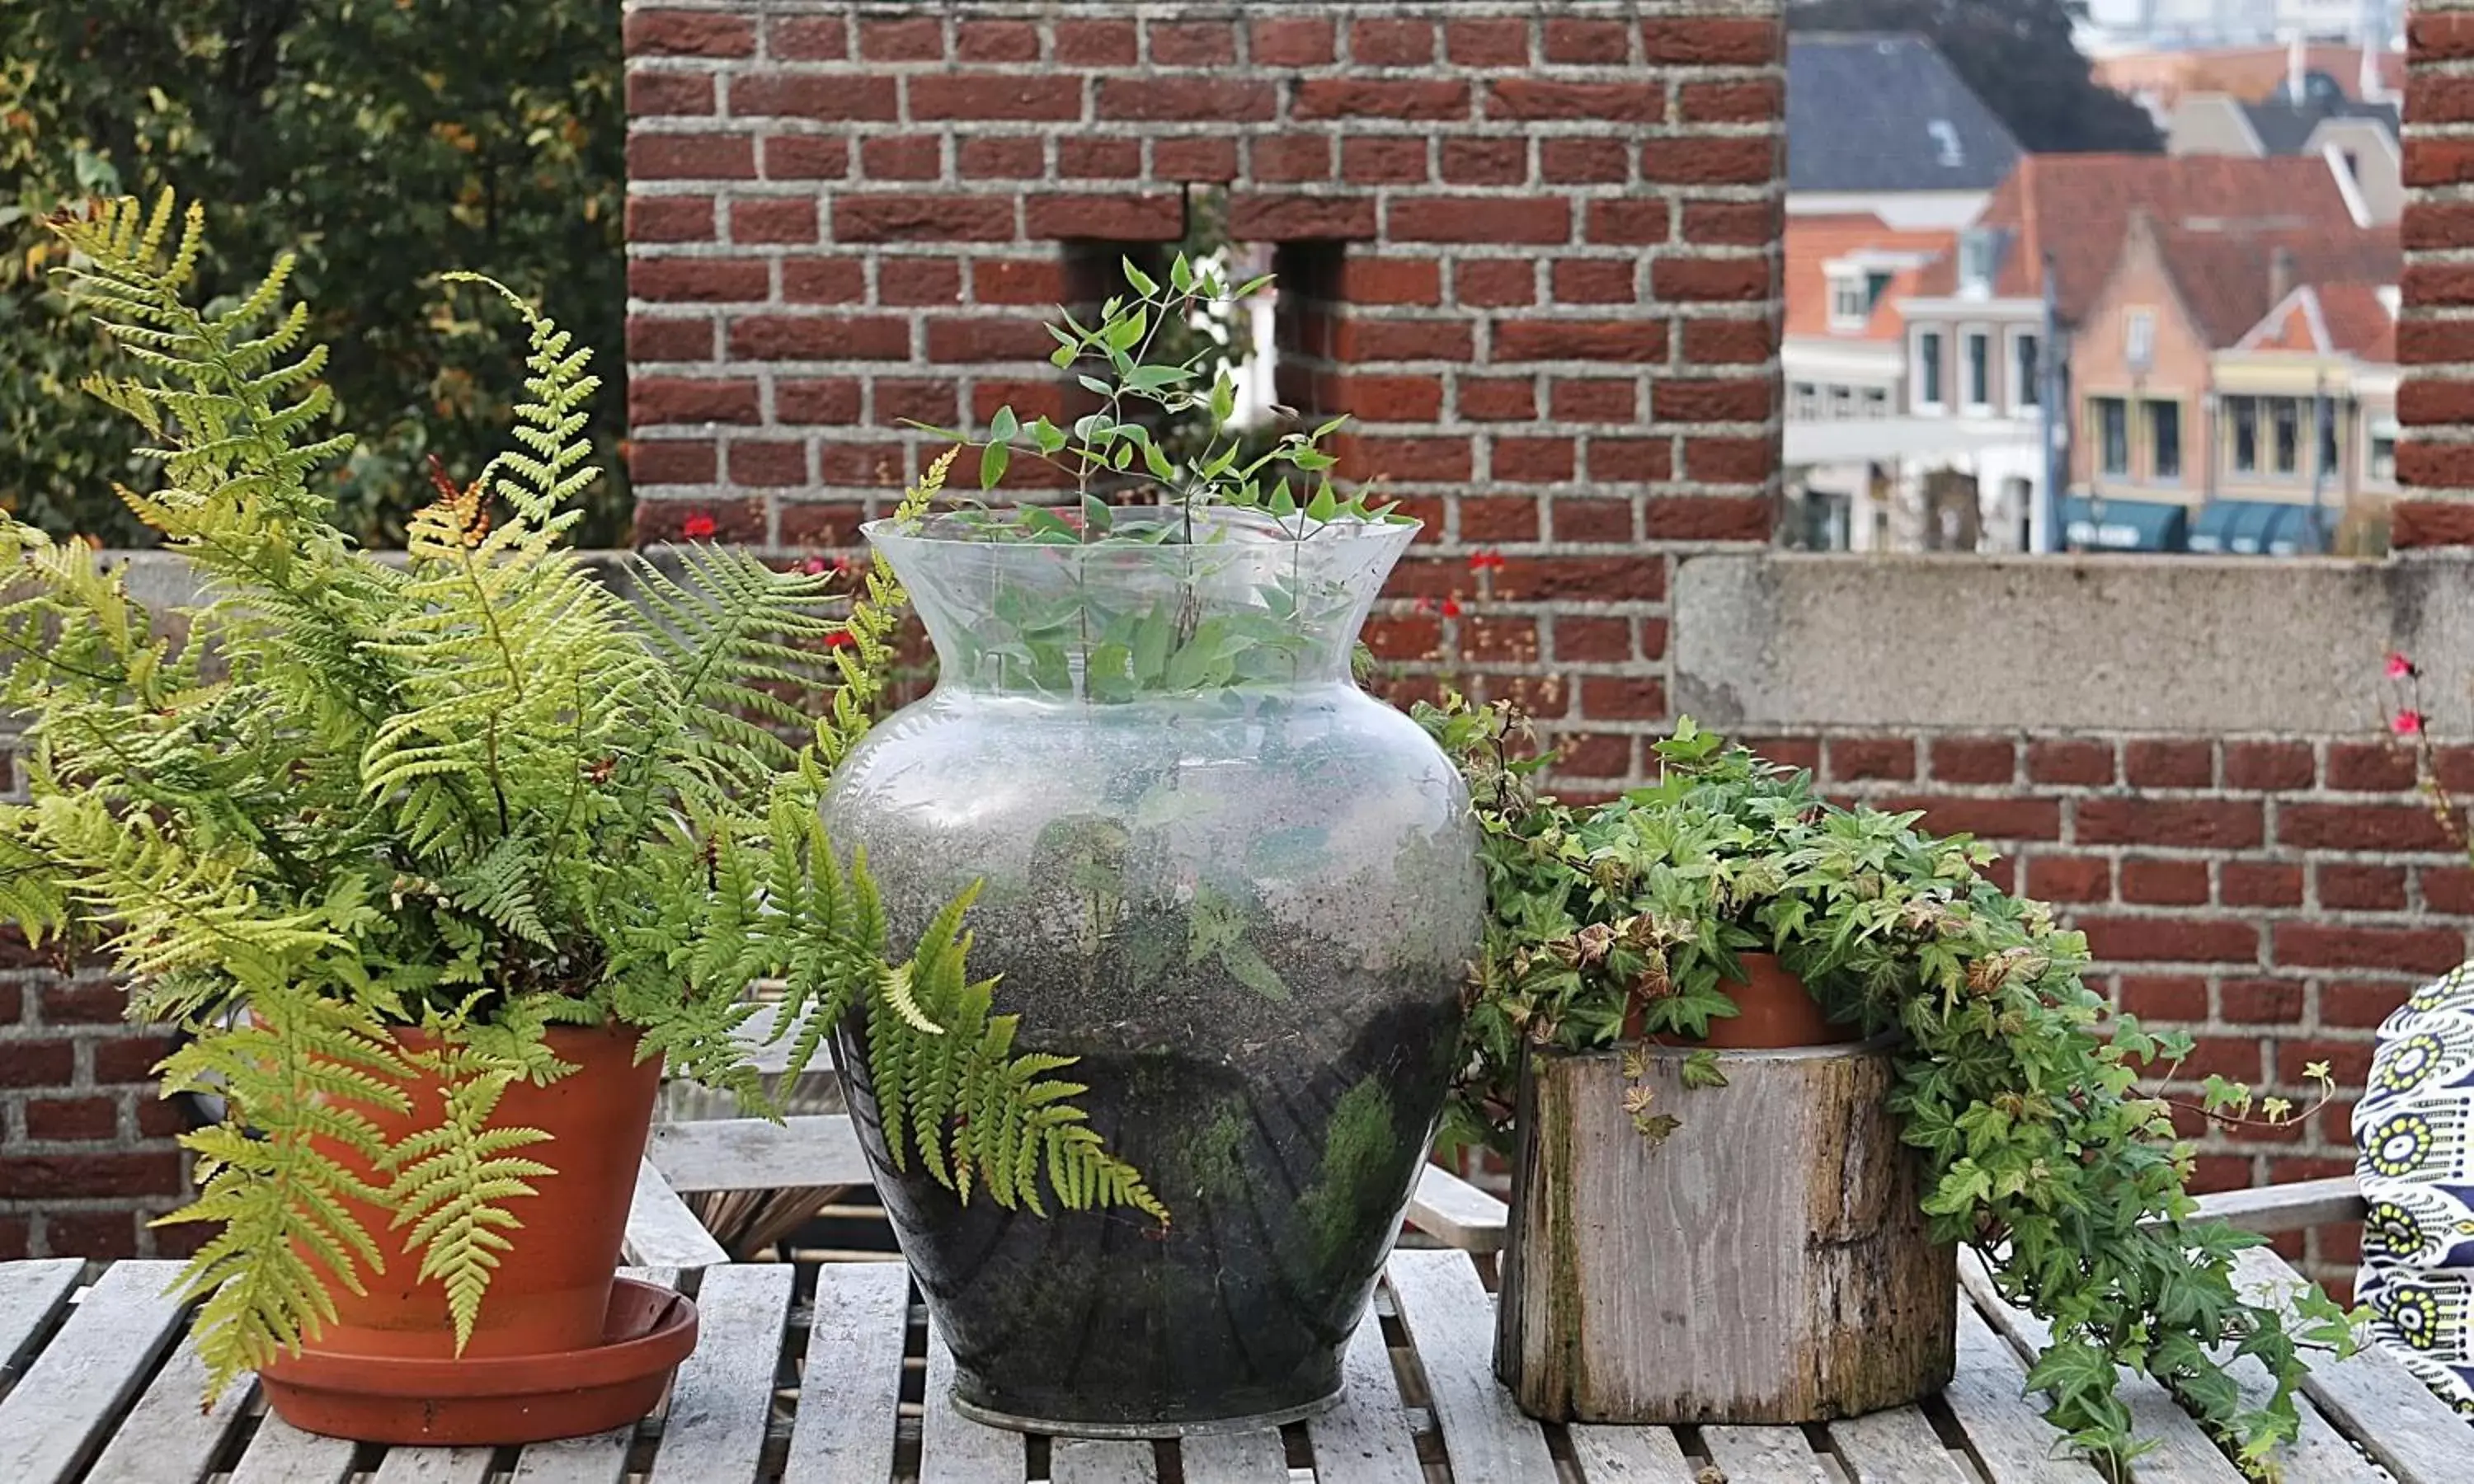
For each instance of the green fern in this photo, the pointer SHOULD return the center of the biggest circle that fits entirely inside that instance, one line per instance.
(481, 792)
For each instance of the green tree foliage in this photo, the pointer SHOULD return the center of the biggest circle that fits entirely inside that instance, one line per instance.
(2019, 56)
(478, 793)
(377, 138)
(2015, 1079)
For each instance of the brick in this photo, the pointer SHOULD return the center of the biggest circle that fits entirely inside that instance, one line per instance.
(2152, 764)
(688, 34)
(1749, 400)
(1854, 758)
(2200, 823)
(1486, 162)
(1729, 223)
(1741, 461)
(1677, 280)
(996, 40)
(1280, 159)
(1590, 641)
(2163, 997)
(2447, 889)
(1494, 283)
(2165, 883)
(808, 39)
(669, 93)
(1186, 100)
(922, 218)
(1711, 517)
(1752, 161)
(987, 338)
(1290, 42)
(1594, 400)
(1390, 398)
(1384, 160)
(824, 280)
(1540, 100)
(994, 95)
(918, 280)
(1293, 216)
(903, 39)
(671, 461)
(2441, 162)
(691, 157)
(830, 525)
(655, 338)
(2419, 524)
(80, 1119)
(1480, 218)
(2361, 826)
(2259, 884)
(1531, 460)
(2070, 879)
(2016, 817)
(81, 1002)
(1632, 341)
(1706, 41)
(2370, 767)
(1730, 103)
(768, 463)
(1104, 159)
(1593, 281)
(699, 280)
(878, 465)
(669, 219)
(1623, 698)
(1195, 160)
(1587, 42)
(2070, 762)
(1097, 43)
(1344, 98)
(1005, 158)
(842, 98)
(89, 1175)
(1583, 162)
(2360, 1004)
(1631, 577)
(1392, 43)
(1640, 460)
(1191, 43)
(1151, 216)
(126, 1058)
(1487, 43)
(1497, 398)
(783, 337)
(1975, 760)
(2361, 888)
(1404, 339)
(1498, 519)
(740, 521)
(770, 220)
(1594, 756)
(1708, 343)
(1597, 517)
(653, 399)
(1429, 457)
(2171, 939)
(806, 158)
(2269, 766)
(1372, 279)
(2329, 945)
(101, 1236)
(2260, 1001)
(2429, 401)
(902, 158)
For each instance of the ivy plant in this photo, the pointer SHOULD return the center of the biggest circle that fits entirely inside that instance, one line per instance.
(2017, 1082)
(480, 792)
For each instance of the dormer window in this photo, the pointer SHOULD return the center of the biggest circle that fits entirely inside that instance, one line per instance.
(1979, 260)
(1944, 138)
(1855, 291)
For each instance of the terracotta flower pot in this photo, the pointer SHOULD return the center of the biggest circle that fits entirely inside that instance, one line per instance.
(1777, 1014)
(550, 1297)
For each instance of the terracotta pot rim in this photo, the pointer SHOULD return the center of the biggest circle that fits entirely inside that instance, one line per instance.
(669, 1333)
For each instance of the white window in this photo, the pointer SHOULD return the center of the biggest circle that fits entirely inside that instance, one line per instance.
(2384, 442)
(2139, 341)
(1975, 369)
(1842, 403)
(1929, 371)
(1804, 401)
(1980, 259)
(1851, 300)
(2027, 370)
(1876, 402)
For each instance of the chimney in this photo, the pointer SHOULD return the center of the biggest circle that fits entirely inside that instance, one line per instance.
(2280, 275)
(2295, 66)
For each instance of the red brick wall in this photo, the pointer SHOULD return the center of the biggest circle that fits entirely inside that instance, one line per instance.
(2436, 338)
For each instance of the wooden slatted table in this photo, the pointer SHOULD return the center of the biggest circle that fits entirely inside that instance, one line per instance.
(829, 1375)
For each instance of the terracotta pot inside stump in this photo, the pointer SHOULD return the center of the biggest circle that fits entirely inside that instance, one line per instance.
(1778, 1013)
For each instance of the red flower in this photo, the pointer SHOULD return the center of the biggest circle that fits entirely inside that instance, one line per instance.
(813, 567)
(698, 526)
(2407, 724)
(839, 638)
(2400, 668)
(1486, 562)
(1452, 607)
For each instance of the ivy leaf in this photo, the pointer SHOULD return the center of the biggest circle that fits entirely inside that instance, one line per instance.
(1701, 1069)
(993, 460)
(1002, 428)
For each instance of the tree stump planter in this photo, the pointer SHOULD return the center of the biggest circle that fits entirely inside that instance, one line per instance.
(1766, 1263)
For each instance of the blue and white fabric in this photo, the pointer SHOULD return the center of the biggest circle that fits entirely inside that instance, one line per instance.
(2415, 1132)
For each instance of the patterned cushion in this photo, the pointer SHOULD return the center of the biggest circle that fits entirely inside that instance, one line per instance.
(2414, 1127)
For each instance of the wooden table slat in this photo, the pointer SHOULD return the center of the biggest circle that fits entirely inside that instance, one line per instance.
(284, 1454)
(2181, 1452)
(756, 1154)
(1896, 1446)
(1451, 1318)
(1258, 1457)
(600, 1458)
(952, 1448)
(2005, 1429)
(1629, 1455)
(60, 1412)
(850, 1394)
(723, 1398)
(167, 1438)
(662, 1231)
(1096, 1461)
(2370, 1397)
(1365, 1439)
(1459, 1213)
(435, 1466)
(1764, 1455)
(31, 1293)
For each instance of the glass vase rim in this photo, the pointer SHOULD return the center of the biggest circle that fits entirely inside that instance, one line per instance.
(1343, 531)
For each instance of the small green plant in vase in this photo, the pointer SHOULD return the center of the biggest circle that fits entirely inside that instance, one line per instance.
(2016, 1082)
(419, 851)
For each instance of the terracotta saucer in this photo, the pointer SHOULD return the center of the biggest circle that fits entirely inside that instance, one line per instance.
(497, 1401)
